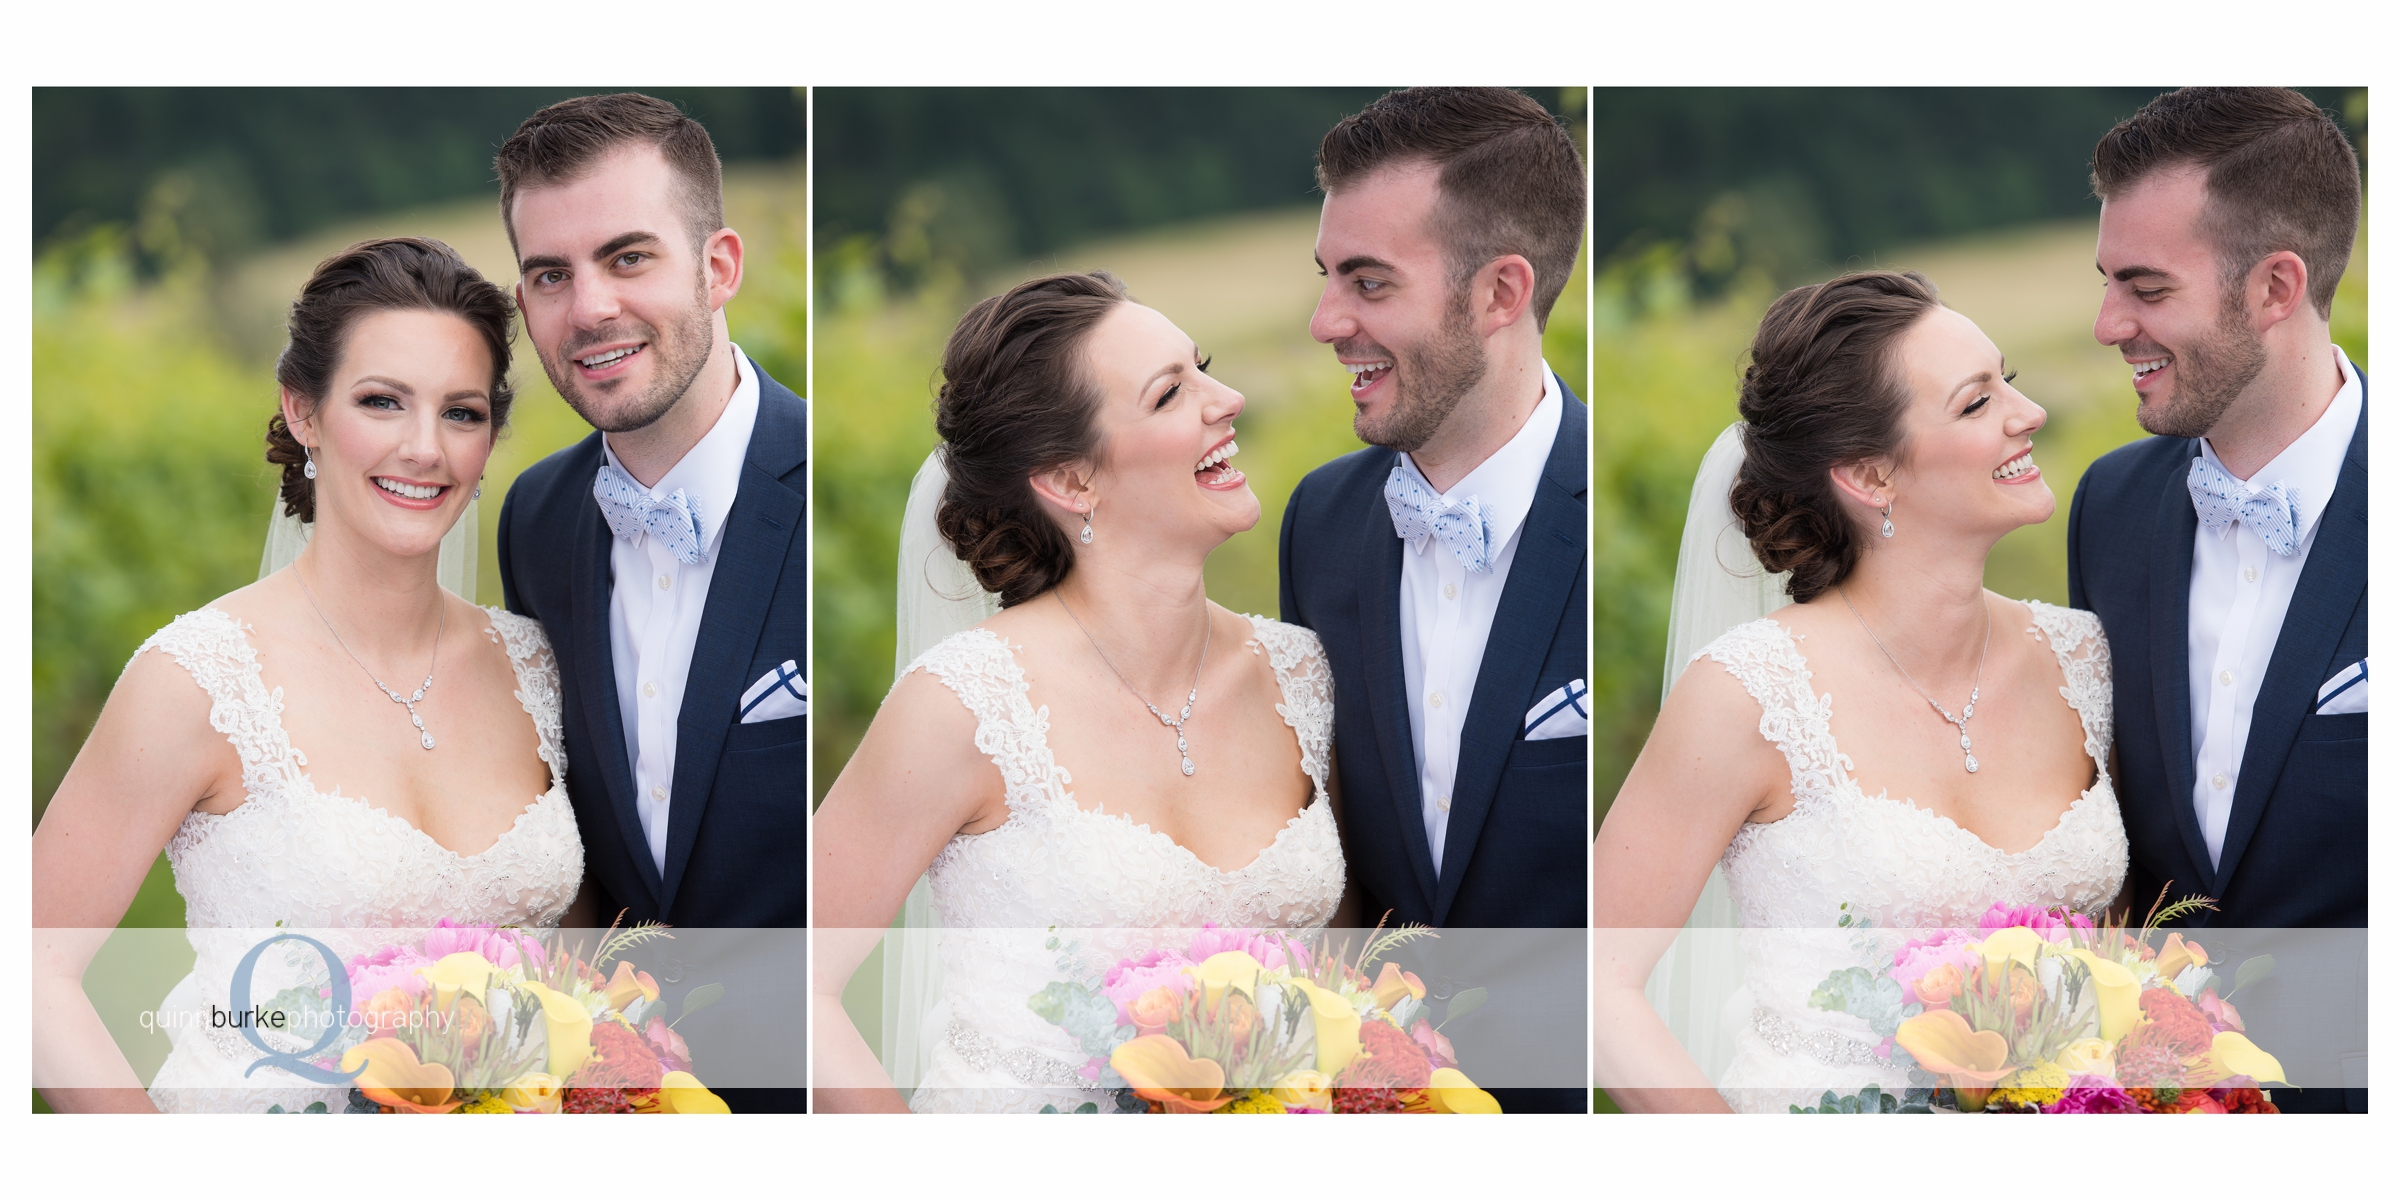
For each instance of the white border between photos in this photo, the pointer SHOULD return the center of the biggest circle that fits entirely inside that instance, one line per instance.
(1243, 42)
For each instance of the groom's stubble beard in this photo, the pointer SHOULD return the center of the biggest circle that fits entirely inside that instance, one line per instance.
(1434, 376)
(680, 361)
(2210, 375)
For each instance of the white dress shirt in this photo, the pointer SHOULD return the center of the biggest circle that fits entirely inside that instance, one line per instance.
(1446, 611)
(655, 602)
(2240, 590)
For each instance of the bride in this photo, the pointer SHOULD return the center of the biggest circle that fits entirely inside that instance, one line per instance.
(1898, 747)
(1110, 751)
(342, 745)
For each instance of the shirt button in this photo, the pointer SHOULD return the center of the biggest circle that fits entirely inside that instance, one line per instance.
(1442, 803)
(1449, 591)
(1434, 699)
(664, 583)
(2225, 678)
(2249, 574)
(2218, 782)
(660, 793)
(650, 689)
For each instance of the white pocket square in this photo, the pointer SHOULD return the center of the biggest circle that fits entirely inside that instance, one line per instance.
(2346, 692)
(779, 693)
(1566, 712)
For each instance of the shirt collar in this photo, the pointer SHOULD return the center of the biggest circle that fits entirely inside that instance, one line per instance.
(2312, 464)
(1505, 482)
(709, 473)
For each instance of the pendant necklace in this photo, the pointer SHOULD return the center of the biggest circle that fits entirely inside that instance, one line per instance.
(1964, 742)
(1207, 631)
(408, 702)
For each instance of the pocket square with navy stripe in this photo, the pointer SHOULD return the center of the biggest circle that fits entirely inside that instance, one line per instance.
(780, 693)
(1566, 712)
(2346, 692)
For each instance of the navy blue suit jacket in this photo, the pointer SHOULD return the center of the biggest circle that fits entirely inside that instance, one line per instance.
(1517, 852)
(737, 830)
(2295, 851)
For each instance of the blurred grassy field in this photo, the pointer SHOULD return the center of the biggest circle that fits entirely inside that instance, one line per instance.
(1667, 385)
(151, 399)
(1243, 288)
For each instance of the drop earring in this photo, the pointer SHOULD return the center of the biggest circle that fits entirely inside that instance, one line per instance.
(1887, 519)
(1086, 539)
(310, 469)
(478, 491)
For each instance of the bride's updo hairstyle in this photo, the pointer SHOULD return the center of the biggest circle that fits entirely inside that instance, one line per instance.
(1821, 392)
(404, 274)
(1016, 400)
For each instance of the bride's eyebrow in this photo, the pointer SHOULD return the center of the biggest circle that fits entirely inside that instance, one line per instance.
(391, 383)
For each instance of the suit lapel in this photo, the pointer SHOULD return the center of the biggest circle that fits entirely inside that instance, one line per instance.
(1379, 551)
(2331, 585)
(2170, 652)
(1540, 589)
(596, 676)
(766, 515)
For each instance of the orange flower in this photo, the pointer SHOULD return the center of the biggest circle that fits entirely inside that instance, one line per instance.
(470, 1021)
(395, 1078)
(387, 1010)
(1937, 986)
(1393, 984)
(628, 984)
(1159, 1069)
(1154, 1008)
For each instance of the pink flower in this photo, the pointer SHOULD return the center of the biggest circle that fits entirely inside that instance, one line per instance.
(2046, 922)
(1437, 1047)
(1130, 979)
(1269, 950)
(673, 1054)
(503, 948)
(1919, 957)
(386, 968)
(2093, 1094)
(2220, 1013)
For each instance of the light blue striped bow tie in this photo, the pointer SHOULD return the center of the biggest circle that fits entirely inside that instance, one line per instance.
(1461, 525)
(2221, 500)
(632, 511)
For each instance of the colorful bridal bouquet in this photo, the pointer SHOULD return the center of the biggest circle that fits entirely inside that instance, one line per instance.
(1253, 1021)
(478, 1019)
(2036, 1010)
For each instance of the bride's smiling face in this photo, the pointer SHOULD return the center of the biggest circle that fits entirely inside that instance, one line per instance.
(1967, 458)
(1165, 469)
(404, 430)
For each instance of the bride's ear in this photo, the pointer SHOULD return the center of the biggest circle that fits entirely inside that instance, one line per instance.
(1867, 483)
(1067, 489)
(296, 412)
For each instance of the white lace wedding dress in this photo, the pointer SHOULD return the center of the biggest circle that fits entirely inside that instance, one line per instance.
(1897, 867)
(335, 867)
(1118, 886)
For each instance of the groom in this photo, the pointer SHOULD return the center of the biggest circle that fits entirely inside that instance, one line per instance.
(666, 554)
(2227, 556)
(1444, 568)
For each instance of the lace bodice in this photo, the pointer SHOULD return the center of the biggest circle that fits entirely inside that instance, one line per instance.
(294, 856)
(1895, 866)
(1055, 864)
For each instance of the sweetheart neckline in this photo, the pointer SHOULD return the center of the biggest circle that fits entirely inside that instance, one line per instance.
(250, 802)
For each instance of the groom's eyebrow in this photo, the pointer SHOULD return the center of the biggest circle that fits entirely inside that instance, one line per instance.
(1362, 262)
(2125, 274)
(621, 243)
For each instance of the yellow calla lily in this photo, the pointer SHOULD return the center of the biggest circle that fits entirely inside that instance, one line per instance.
(628, 984)
(2177, 955)
(2231, 1054)
(1230, 969)
(1306, 1089)
(681, 1092)
(464, 970)
(1336, 1027)
(1395, 983)
(1452, 1092)
(568, 1027)
(1971, 1059)
(534, 1092)
(1157, 1068)
(393, 1076)
(2120, 995)
(2013, 944)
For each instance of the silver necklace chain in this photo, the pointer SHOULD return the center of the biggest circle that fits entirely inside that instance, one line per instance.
(424, 738)
(1207, 631)
(1965, 743)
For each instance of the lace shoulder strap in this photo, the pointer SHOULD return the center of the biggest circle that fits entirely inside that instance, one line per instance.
(2082, 648)
(982, 671)
(1766, 658)
(212, 648)
(1306, 682)
(528, 647)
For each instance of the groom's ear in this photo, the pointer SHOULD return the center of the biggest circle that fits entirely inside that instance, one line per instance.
(1503, 293)
(2278, 287)
(1867, 482)
(721, 266)
(1067, 488)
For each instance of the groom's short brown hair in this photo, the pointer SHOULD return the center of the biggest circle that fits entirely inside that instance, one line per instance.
(561, 142)
(2280, 175)
(1511, 180)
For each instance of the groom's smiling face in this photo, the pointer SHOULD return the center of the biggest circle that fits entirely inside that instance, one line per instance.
(613, 286)
(2166, 306)
(1388, 308)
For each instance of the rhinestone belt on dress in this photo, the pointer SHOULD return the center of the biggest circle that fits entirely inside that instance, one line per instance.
(1024, 1064)
(1826, 1046)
